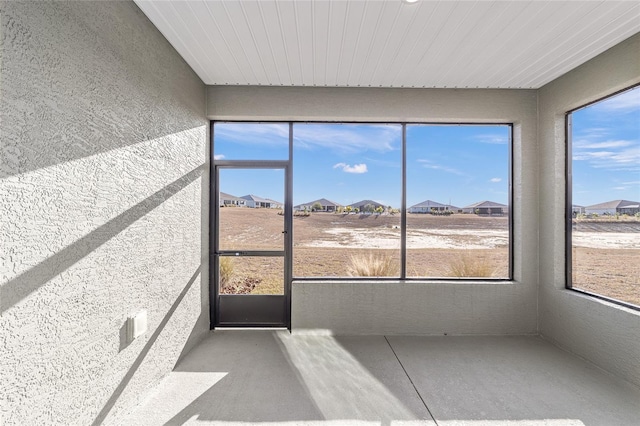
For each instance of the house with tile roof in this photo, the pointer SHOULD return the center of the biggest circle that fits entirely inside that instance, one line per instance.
(614, 207)
(430, 206)
(486, 208)
(327, 205)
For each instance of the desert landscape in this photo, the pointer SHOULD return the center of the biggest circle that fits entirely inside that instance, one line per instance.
(605, 255)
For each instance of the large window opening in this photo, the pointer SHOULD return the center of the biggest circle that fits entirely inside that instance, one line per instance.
(347, 191)
(458, 199)
(603, 198)
(389, 201)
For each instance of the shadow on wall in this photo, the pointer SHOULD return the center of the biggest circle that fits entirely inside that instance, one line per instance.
(26, 283)
(143, 353)
(118, 87)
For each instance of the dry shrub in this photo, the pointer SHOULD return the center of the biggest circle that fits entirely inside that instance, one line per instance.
(244, 286)
(371, 265)
(225, 271)
(470, 266)
(237, 285)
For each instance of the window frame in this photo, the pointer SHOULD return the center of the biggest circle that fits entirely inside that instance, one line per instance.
(403, 208)
(510, 199)
(568, 209)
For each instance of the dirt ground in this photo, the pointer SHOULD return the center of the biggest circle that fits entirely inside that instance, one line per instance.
(608, 272)
(606, 259)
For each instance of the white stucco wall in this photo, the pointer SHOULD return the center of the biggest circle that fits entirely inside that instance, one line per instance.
(413, 308)
(605, 334)
(103, 181)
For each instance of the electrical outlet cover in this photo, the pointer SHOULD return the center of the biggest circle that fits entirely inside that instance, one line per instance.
(137, 325)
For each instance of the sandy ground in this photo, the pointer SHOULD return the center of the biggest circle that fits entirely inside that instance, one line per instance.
(416, 239)
(612, 272)
(606, 256)
(612, 240)
(606, 234)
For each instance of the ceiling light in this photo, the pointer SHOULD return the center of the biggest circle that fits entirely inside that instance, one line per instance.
(410, 1)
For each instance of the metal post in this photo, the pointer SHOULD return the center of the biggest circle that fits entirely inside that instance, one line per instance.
(403, 207)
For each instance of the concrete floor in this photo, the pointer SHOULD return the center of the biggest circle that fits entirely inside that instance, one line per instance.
(238, 377)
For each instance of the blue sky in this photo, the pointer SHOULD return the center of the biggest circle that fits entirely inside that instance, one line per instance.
(453, 164)
(606, 150)
(347, 163)
(459, 165)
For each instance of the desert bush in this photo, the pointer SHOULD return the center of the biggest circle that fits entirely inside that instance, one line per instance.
(467, 266)
(225, 271)
(243, 286)
(371, 265)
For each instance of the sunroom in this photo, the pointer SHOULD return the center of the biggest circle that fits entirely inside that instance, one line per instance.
(138, 288)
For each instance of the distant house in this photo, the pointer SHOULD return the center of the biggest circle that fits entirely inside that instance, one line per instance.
(361, 205)
(258, 202)
(576, 209)
(430, 206)
(231, 200)
(327, 205)
(613, 207)
(486, 208)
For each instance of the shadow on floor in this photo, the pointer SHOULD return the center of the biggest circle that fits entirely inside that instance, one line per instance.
(259, 377)
(272, 376)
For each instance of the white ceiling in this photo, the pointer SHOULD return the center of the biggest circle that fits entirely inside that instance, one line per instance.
(390, 43)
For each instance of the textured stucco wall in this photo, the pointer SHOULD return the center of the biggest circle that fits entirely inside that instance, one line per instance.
(604, 333)
(103, 181)
(413, 308)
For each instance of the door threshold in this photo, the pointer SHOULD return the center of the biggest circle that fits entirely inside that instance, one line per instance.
(250, 328)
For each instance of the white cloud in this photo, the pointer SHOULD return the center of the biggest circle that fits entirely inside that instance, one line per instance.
(624, 102)
(428, 164)
(495, 180)
(626, 159)
(583, 144)
(612, 143)
(356, 168)
(218, 157)
(618, 154)
(348, 138)
(591, 155)
(494, 139)
(591, 133)
(254, 133)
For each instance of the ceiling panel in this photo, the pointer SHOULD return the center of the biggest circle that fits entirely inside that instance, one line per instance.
(390, 43)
